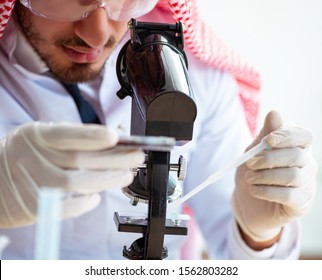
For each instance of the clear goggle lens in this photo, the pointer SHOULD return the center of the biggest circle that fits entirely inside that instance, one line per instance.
(73, 10)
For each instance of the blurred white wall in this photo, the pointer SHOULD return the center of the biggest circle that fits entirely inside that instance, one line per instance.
(283, 38)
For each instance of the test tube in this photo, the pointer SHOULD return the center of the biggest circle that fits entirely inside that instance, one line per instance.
(48, 226)
(4, 241)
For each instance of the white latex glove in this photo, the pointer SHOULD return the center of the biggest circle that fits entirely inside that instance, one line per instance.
(278, 185)
(75, 157)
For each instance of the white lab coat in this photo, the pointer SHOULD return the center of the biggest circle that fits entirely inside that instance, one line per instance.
(220, 134)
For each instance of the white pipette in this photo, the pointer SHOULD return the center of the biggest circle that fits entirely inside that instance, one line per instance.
(222, 172)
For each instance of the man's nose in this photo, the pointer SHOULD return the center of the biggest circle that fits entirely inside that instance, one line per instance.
(94, 29)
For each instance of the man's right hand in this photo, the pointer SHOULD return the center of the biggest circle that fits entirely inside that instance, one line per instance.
(75, 157)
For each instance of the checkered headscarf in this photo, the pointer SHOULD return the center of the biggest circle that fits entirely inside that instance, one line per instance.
(6, 7)
(204, 44)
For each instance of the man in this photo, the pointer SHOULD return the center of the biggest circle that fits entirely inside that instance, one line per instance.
(48, 43)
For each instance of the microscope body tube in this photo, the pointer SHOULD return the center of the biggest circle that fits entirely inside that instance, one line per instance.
(153, 70)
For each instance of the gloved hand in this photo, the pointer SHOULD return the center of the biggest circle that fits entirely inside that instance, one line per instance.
(278, 185)
(75, 157)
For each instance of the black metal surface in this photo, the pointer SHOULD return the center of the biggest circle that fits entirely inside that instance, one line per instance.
(124, 224)
(157, 180)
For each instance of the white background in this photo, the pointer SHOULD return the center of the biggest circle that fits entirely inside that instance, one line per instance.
(283, 39)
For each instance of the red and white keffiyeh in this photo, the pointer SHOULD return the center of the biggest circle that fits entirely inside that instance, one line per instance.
(6, 7)
(204, 44)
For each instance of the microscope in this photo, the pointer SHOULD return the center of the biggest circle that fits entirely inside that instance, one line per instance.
(152, 70)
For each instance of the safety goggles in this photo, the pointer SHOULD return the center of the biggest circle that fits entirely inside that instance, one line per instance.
(74, 10)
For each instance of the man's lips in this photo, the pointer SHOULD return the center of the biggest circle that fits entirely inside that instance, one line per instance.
(82, 55)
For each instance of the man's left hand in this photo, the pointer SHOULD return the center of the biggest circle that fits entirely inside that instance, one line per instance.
(276, 186)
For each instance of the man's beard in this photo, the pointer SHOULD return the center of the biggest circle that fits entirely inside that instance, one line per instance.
(76, 72)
